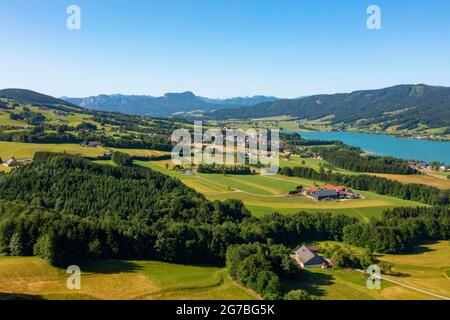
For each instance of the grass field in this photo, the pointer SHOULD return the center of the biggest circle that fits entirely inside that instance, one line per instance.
(423, 269)
(267, 194)
(6, 121)
(438, 180)
(141, 152)
(31, 277)
(27, 150)
(427, 268)
(73, 119)
(420, 179)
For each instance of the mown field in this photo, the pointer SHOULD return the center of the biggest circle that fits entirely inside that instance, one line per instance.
(27, 150)
(427, 268)
(434, 181)
(33, 278)
(267, 194)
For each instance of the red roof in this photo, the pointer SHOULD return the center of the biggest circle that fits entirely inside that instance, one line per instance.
(313, 189)
(336, 188)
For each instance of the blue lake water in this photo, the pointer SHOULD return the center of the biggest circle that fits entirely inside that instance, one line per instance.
(385, 145)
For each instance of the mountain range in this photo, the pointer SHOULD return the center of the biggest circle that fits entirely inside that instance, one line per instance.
(406, 106)
(401, 107)
(167, 105)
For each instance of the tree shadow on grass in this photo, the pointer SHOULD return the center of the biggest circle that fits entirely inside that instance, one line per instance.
(310, 281)
(421, 248)
(108, 266)
(398, 274)
(16, 296)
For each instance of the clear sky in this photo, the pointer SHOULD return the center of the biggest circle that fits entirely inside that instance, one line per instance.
(222, 48)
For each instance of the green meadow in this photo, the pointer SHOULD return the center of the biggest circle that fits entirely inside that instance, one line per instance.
(27, 150)
(424, 269)
(34, 278)
(268, 194)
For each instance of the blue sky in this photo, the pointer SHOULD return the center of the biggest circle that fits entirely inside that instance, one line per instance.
(222, 48)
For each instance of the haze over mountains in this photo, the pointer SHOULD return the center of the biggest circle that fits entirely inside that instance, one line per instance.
(167, 105)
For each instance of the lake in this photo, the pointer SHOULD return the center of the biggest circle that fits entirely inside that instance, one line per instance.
(384, 145)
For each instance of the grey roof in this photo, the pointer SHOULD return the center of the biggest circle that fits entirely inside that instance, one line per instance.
(325, 193)
(307, 257)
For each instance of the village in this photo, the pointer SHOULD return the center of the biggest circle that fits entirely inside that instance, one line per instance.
(428, 167)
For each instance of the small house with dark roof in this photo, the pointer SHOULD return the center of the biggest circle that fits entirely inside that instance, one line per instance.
(306, 258)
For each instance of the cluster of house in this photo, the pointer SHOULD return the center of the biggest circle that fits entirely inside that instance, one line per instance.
(330, 192)
(307, 257)
(423, 166)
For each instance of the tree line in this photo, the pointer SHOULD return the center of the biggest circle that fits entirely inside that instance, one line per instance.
(217, 168)
(351, 159)
(400, 229)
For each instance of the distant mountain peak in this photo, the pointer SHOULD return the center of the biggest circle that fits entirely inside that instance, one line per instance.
(167, 105)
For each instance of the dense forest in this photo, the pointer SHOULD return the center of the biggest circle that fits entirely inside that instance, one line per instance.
(295, 140)
(416, 192)
(400, 229)
(351, 158)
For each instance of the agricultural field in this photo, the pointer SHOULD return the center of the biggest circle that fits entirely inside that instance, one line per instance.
(27, 150)
(434, 179)
(426, 269)
(316, 164)
(439, 174)
(268, 194)
(73, 119)
(430, 180)
(34, 278)
(141, 152)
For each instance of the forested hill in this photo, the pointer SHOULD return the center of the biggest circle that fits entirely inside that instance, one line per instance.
(404, 105)
(38, 99)
(90, 210)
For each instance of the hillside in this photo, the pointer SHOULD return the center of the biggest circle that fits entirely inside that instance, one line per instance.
(31, 97)
(83, 210)
(167, 105)
(404, 106)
